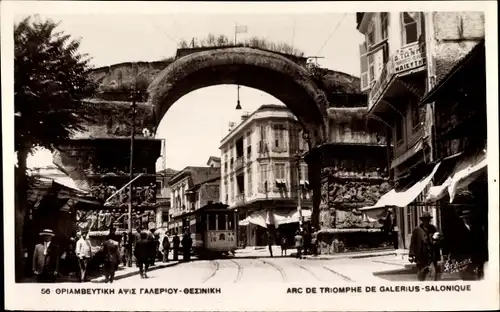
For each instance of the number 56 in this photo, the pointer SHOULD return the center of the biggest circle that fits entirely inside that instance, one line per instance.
(45, 291)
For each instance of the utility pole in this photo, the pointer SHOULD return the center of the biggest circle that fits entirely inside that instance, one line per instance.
(299, 199)
(131, 171)
(238, 105)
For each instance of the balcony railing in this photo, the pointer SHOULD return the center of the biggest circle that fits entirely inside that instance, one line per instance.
(404, 61)
(238, 164)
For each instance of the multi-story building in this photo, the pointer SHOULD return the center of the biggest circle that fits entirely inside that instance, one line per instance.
(182, 195)
(260, 162)
(462, 181)
(163, 195)
(403, 57)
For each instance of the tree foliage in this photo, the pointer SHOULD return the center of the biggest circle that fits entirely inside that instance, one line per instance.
(50, 80)
(255, 42)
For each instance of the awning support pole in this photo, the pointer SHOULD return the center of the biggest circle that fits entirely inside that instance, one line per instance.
(123, 187)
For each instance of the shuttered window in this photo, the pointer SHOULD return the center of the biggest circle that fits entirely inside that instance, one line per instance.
(364, 67)
(263, 176)
(384, 20)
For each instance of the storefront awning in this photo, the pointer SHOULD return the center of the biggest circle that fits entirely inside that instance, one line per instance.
(403, 199)
(464, 174)
(264, 218)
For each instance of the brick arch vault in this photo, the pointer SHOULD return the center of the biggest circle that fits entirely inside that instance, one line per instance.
(266, 71)
(262, 70)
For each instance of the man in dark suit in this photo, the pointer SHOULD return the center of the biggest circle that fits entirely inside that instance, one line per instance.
(187, 243)
(111, 257)
(473, 246)
(46, 259)
(142, 254)
(424, 250)
(176, 241)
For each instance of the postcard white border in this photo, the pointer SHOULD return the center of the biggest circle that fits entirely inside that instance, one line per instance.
(484, 294)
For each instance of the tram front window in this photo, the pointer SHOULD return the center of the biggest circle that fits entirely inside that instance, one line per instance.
(222, 221)
(230, 222)
(211, 222)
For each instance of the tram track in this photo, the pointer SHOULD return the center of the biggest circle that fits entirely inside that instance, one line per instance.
(282, 272)
(216, 267)
(345, 278)
(307, 270)
(240, 271)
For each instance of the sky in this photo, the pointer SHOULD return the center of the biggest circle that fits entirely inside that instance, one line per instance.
(195, 124)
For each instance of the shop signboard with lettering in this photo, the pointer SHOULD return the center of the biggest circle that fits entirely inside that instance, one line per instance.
(409, 58)
(405, 59)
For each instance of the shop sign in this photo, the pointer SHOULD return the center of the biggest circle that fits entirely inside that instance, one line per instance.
(409, 58)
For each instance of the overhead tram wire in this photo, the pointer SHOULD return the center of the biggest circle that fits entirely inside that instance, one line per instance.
(331, 34)
(165, 33)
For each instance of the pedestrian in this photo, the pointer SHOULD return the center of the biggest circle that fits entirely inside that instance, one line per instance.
(157, 248)
(473, 247)
(84, 254)
(270, 242)
(176, 242)
(166, 247)
(46, 258)
(142, 254)
(299, 243)
(111, 257)
(314, 241)
(125, 244)
(152, 248)
(307, 242)
(137, 234)
(187, 243)
(284, 242)
(70, 258)
(424, 251)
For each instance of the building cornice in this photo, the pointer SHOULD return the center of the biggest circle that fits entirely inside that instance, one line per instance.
(259, 115)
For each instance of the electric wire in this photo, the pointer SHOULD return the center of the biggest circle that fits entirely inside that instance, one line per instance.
(331, 34)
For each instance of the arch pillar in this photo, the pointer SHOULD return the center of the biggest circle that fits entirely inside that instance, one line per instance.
(315, 163)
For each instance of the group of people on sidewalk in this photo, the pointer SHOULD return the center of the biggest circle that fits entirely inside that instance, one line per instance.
(47, 256)
(304, 243)
(469, 255)
(79, 256)
(187, 244)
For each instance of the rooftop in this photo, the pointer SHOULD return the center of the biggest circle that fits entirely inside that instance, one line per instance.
(196, 174)
(250, 117)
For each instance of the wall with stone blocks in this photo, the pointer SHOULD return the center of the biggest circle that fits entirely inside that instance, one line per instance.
(455, 34)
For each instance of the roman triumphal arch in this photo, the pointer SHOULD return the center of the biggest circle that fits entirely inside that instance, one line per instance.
(270, 72)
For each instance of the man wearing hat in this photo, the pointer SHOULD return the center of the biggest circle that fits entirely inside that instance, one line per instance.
(424, 250)
(46, 258)
(473, 245)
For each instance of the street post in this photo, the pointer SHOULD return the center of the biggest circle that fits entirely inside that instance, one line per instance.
(299, 199)
(131, 171)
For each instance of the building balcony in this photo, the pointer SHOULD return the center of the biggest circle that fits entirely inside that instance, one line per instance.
(407, 61)
(239, 199)
(239, 163)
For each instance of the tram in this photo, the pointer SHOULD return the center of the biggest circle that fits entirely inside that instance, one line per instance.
(213, 230)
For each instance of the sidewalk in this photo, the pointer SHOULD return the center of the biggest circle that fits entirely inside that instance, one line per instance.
(263, 251)
(400, 255)
(124, 272)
